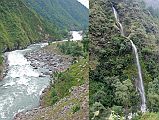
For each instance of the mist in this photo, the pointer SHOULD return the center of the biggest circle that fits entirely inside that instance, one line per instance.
(153, 3)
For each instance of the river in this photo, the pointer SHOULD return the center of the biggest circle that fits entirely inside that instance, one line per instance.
(20, 90)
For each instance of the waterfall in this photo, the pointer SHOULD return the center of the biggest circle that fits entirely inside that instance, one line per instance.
(140, 85)
(118, 22)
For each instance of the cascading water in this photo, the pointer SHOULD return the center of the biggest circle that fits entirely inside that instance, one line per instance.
(118, 22)
(140, 85)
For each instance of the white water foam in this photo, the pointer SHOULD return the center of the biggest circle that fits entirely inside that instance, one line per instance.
(9, 84)
(76, 35)
(22, 84)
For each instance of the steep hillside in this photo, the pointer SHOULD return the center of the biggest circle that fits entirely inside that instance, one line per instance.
(20, 26)
(114, 79)
(68, 14)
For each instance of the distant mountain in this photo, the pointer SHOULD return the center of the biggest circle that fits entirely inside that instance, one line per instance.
(69, 14)
(21, 26)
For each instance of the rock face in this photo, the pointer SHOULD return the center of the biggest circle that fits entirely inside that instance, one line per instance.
(3, 68)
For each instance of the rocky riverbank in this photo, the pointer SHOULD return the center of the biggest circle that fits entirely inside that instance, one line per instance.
(64, 109)
(47, 60)
(75, 105)
(3, 68)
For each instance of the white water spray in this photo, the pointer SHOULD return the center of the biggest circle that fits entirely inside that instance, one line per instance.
(118, 22)
(140, 85)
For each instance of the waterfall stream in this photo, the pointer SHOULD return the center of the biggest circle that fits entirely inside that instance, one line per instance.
(118, 22)
(140, 85)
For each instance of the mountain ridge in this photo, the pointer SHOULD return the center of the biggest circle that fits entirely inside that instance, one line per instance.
(64, 13)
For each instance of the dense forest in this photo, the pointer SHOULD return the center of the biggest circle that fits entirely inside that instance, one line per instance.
(113, 72)
(68, 14)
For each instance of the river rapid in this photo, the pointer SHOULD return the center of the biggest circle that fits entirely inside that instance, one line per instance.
(22, 86)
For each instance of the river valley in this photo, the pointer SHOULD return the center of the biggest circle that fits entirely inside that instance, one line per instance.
(23, 84)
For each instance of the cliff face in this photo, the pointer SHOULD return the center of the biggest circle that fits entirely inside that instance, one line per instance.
(113, 79)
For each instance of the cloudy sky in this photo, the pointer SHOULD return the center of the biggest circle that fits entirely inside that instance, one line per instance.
(84, 2)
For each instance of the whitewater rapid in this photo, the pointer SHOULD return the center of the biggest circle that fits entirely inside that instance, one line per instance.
(20, 90)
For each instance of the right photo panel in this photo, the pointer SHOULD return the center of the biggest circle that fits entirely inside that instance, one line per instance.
(124, 60)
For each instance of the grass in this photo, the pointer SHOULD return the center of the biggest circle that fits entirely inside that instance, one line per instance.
(74, 109)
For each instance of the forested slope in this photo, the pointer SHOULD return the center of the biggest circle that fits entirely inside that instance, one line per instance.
(20, 26)
(69, 14)
(113, 79)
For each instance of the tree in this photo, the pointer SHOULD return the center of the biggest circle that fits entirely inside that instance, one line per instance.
(99, 112)
(85, 42)
(153, 95)
(125, 94)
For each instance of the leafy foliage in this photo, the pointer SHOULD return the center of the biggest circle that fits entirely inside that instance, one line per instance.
(71, 48)
(75, 108)
(99, 112)
(75, 49)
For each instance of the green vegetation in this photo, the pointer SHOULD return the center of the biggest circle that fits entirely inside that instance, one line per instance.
(69, 14)
(71, 48)
(75, 75)
(75, 49)
(75, 108)
(20, 26)
(114, 77)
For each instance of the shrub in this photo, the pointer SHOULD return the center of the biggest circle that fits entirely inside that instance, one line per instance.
(75, 108)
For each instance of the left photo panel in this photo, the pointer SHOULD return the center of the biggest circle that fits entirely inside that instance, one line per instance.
(44, 60)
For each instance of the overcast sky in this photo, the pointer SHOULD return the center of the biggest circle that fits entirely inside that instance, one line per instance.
(84, 2)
